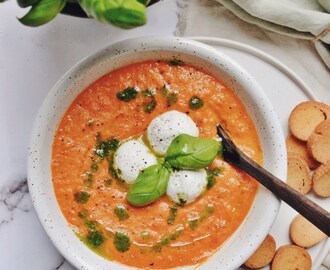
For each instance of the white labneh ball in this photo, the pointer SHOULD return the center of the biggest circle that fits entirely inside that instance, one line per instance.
(131, 158)
(165, 127)
(186, 186)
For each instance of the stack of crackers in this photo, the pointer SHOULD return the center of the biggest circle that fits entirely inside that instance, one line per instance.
(308, 147)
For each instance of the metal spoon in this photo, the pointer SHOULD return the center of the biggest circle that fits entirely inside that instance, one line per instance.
(311, 211)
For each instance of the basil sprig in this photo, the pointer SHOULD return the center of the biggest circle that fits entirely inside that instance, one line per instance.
(122, 13)
(184, 152)
(150, 185)
(188, 152)
(41, 12)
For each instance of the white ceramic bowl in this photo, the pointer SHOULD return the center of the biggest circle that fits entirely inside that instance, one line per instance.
(264, 210)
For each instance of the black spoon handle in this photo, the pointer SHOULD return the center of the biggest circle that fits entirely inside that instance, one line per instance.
(307, 208)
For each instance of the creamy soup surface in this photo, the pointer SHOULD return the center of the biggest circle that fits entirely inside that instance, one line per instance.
(92, 199)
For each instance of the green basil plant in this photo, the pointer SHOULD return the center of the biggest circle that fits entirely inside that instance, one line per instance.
(184, 152)
(125, 14)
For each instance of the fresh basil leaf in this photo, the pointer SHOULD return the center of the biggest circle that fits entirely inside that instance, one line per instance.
(42, 12)
(126, 14)
(26, 3)
(150, 185)
(188, 152)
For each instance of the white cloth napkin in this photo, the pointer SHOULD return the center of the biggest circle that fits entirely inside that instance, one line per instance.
(215, 19)
(305, 19)
(210, 18)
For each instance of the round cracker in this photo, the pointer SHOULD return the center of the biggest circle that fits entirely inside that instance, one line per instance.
(305, 234)
(298, 176)
(318, 144)
(291, 257)
(263, 255)
(306, 116)
(321, 180)
(293, 145)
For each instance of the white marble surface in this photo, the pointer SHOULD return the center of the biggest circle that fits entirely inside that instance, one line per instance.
(31, 61)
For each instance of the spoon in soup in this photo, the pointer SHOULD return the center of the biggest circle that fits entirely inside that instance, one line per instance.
(311, 211)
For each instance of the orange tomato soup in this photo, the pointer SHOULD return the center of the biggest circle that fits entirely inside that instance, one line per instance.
(97, 114)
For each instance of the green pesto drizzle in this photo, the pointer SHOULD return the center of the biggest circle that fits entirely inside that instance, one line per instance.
(83, 214)
(150, 106)
(195, 103)
(149, 92)
(172, 215)
(165, 240)
(104, 148)
(81, 196)
(171, 97)
(211, 174)
(121, 212)
(95, 238)
(127, 94)
(121, 242)
(195, 222)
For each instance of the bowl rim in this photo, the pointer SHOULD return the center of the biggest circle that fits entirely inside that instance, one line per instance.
(168, 42)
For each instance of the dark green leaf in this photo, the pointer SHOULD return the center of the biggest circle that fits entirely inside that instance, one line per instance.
(95, 238)
(150, 185)
(42, 12)
(188, 152)
(121, 242)
(122, 13)
(25, 3)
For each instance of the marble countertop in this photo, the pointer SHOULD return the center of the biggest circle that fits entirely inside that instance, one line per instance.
(31, 61)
